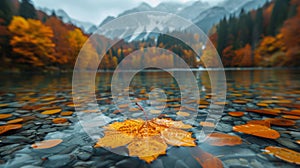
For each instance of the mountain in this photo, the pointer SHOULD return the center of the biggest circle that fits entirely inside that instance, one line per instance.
(209, 17)
(203, 14)
(87, 27)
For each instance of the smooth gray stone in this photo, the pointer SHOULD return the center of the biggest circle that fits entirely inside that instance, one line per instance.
(15, 139)
(21, 160)
(84, 155)
(130, 162)
(7, 110)
(224, 127)
(59, 161)
(86, 164)
(180, 164)
(157, 164)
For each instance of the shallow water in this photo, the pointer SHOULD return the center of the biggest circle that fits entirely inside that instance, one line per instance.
(25, 94)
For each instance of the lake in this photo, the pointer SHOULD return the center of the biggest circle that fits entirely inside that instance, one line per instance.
(262, 95)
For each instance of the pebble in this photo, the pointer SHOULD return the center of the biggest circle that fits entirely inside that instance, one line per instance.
(15, 139)
(130, 162)
(59, 161)
(224, 127)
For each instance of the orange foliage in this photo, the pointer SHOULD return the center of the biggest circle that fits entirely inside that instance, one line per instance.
(31, 41)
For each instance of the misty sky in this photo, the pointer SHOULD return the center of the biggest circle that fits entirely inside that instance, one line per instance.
(96, 10)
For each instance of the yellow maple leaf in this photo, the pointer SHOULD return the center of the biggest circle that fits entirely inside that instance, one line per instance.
(146, 139)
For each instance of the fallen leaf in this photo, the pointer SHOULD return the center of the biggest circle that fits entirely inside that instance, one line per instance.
(155, 111)
(5, 128)
(281, 122)
(147, 148)
(177, 137)
(59, 120)
(207, 124)
(292, 117)
(3, 105)
(236, 114)
(50, 112)
(257, 130)
(293, 112)
(114, 139)
(262, 104)
(206, 160)
(4, 116)
(183, 114)
(298, 142)
(66, 113)
(260, 122)
(46, 144)
(285, 154)
(146, 139)
(240, 101)
(266, 112)
(14, 121)
(221, 139)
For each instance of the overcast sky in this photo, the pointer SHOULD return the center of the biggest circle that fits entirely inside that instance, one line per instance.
(96, 10)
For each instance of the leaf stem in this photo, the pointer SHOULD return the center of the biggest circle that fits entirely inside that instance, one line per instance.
(141, 108)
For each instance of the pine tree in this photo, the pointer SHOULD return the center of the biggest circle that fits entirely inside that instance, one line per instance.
(279, 15)
(27, 10)
(5, 11)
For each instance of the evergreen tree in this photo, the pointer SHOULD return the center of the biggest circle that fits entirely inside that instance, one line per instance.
(5, 11)
(279, 15)
(27, 10)
(222, 31)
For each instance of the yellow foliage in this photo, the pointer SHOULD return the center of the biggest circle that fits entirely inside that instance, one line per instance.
(31, 41)
(146, 139)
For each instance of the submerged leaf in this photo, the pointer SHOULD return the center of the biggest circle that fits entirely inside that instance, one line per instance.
(14, 121)
(236, 114)
(281, 122)
(285, 154)
(221, 139)
(177, 137)
(292, 117)
(207, 124)
(59, 120)
(5, 128)
(257, 130)
(205, 159)
(147, 148)
(146, 139)
(4, 116)
(50, 112)
(46, 144)
(260, 122)
(114, 139)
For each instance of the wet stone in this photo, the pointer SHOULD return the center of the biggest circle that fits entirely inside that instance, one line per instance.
(59, 161)
(86, 164)
(288, 143)
(224, 127)
(130, 162)
(180, 164)
(15, 139)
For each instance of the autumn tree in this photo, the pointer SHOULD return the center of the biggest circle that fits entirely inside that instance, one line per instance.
(291, 37)
(31, 42)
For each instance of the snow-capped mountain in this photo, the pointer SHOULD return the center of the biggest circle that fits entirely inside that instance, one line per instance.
(203, 14)
(87, 27)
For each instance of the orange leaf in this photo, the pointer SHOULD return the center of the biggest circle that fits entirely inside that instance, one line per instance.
(3, 116)
(260, 122)
(281, 122)
(267, 112)
(46, 144)
(207, 124)
(257, 130)
(66, 113)
(50, 112)
(293, 112)
(236, 114)
(147, 148)
(5, 128)
(114, 139)
(177, 137)
(220, 139)
(15, 121)
(284, 154)
(206, 160)
(183, 114)
(292, 117)
(59, 120)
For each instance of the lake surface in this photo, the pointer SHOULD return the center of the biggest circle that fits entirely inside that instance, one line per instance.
(29, 94)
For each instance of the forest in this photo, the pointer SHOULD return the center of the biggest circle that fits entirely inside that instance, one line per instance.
(266, 37)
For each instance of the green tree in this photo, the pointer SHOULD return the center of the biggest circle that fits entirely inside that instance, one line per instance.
(279, 15)
(27, 10)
